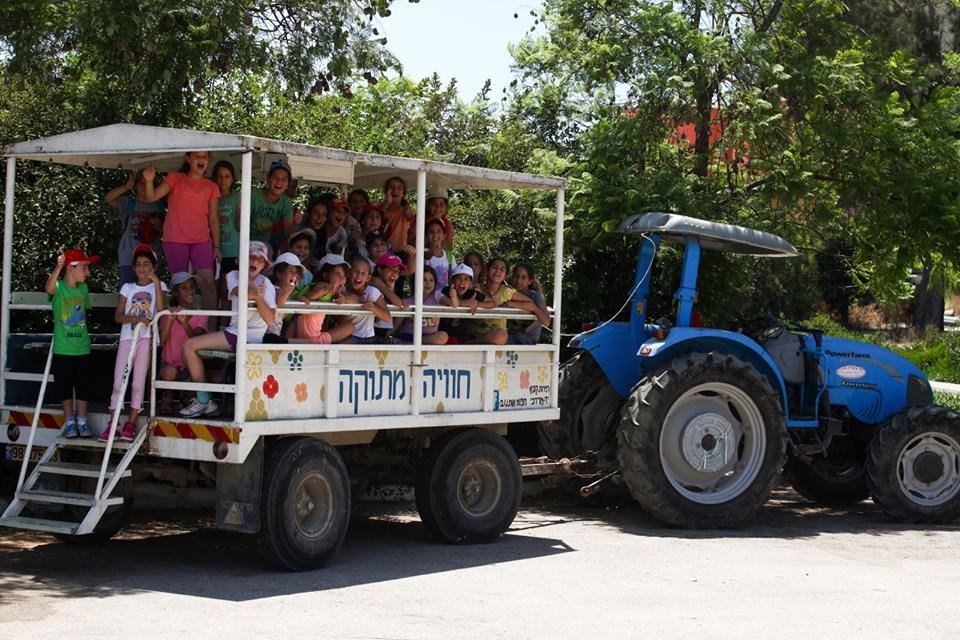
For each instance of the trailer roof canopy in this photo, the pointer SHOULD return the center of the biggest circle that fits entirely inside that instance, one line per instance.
(712, 235)
(134, 146)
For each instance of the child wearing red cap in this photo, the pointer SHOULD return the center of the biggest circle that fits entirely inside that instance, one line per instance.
(137, 303)
(70, 300)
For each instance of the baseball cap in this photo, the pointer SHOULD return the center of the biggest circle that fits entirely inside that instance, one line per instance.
(146, 250)
(331, 259)
(461, 269)
(310, 234)
(437, 192)
(280, 164)
(77, 256)
(180, 277)
(390, 261)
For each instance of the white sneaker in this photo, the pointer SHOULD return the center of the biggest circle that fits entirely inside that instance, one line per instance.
(197, 408)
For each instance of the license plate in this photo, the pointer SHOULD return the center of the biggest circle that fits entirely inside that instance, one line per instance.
(15, 452)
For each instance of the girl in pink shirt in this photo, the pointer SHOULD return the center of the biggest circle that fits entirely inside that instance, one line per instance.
(175, 330)
(191, 230)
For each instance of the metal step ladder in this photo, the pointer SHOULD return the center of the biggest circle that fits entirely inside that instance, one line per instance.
(97, 501)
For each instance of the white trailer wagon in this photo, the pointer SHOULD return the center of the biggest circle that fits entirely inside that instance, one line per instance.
(306, 425)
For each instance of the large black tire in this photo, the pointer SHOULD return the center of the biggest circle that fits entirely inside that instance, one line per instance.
(913, 465)
(113, 520)
(305, 503)
(673, 436)
(827, 483)
(469, 486)
(589, 410)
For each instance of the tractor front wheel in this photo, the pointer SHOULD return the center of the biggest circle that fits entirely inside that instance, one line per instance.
(913, 465)
(830, 483)
(589, 410)
(702, 441)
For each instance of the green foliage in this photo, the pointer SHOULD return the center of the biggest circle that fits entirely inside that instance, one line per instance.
(945, 399)
(148, 61)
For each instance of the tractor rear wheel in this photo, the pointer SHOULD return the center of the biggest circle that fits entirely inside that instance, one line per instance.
(589, 410)
(702, 441)
(913, 465)
(828, 483)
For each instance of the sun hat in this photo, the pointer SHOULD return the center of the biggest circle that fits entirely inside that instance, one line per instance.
(437, 192)
(145, 250)
(259, 250)
(287, 258)
(180, 277)
(391, 261)
(332, 259)
(461, 269)
(77, 256)
(309, 233)
(280, 164)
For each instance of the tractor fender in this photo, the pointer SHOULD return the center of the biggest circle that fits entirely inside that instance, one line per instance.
(614, 349)
(683, 340)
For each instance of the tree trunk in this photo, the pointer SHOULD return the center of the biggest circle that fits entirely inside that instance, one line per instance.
(927, 304)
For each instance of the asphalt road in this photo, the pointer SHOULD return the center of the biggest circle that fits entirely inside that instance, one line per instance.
(565, 570)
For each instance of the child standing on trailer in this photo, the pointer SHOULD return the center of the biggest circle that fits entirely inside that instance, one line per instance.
(141, 221)
(263, 294)
(137, 304)
(435, 254)
(191, 230)
(175, 330)
(437, 204)
(71, 341)
(228, 209)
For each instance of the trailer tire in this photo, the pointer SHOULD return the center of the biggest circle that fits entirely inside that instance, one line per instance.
(469, 486)
(913, 465)
(584, 394)
(822, 484)
(305, 503)
(673, 452)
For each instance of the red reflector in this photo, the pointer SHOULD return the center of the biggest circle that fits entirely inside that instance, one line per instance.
(586, 326)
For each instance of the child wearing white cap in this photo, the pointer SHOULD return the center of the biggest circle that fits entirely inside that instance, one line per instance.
(263, 294)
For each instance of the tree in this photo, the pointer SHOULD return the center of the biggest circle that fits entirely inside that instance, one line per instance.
(148, 61)
(808, 119)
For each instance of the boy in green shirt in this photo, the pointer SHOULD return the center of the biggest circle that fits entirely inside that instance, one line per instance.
(71, 342)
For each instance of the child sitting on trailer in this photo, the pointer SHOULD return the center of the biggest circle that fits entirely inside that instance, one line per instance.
(175, 330)
(308, 327)
(263, 294)
(70, 365)
(137, 303)
(359, 291)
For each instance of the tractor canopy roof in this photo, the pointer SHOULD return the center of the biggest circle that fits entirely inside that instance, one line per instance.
(712, 235)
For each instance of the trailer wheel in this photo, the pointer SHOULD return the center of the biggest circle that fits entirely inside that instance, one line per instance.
(305, 503)
(702, 441)
(913, 465)
(589, 410)
(469, 487)
(833, 485)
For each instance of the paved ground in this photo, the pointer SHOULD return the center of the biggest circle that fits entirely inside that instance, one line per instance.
(565, 570)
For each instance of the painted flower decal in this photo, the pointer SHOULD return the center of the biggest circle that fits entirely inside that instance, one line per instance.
(274, 355)
(301, 391)
(271, 387)
(295, 359)
(512, 358)
(525, 379)
(257, 409)
(254, 365)
(543, 374)
(503, 382)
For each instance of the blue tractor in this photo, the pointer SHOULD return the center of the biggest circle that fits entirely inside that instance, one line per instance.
(699, 422)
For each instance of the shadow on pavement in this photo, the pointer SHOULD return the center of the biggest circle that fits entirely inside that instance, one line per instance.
(786, 515)
(155, 552)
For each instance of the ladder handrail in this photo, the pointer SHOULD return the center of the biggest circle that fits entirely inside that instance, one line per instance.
(115, 416)
(36, 419)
